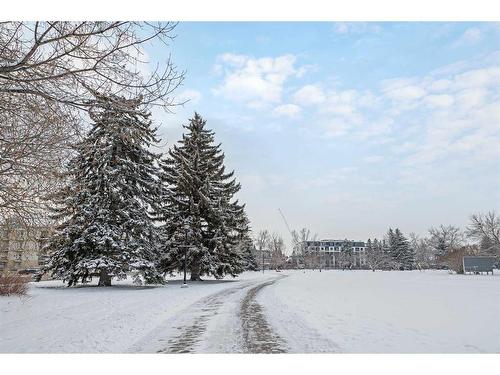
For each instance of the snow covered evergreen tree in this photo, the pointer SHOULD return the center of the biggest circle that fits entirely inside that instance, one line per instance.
(392, 249)
(406, 254)
(390, 242)
(346, 255)
(375, 257)
(401, 254)
(246, 247)
(104, 212)
(247, 250)
(201, 220)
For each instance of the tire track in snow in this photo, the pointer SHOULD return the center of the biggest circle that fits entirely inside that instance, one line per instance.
(258, 336)
(203, 311)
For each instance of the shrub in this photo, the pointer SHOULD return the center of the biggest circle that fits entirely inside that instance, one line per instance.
(13, 284)
(454, 258)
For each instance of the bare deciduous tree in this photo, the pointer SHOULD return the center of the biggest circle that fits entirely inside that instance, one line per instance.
(68, 61)
(375, 256)
(445, 238)
(424, 254)
(34, 143)
(49, 72)
(485, 228)
(299, 240)
(277, 249)
(262, 246)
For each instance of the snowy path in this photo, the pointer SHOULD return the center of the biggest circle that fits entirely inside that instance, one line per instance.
(228, 321)
(258, 337)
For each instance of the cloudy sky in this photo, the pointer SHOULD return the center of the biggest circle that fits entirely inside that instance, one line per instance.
(349, 128)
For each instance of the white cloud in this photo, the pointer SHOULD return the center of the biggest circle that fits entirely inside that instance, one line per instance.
(402, 89)
(373, 159)
(478, 78)
(341, 102)
(257, 82)
(308, 95)
(376, 131)
(449, 115)
(190, 96)
(469, 98)
(439, 85)
(336, 128)
(288, 110)
(470, 36)
(435, 101)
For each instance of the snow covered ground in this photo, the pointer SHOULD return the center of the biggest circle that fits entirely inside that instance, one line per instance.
(122, 318)
(390, 312)
(292, 311)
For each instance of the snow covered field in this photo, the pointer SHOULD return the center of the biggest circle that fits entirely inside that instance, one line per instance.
(390, 312)
(57, 319)
(292, 311)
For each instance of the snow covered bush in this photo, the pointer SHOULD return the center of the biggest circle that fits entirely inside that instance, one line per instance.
(13, 284)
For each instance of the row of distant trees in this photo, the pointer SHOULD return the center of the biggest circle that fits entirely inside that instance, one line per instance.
(444, 246)
(447, 244)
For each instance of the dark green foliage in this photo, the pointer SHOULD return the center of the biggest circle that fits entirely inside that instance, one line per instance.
(104, 211)
(199, 213)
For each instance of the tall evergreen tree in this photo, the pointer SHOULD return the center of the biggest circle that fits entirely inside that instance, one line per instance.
(391, 242)
(246, 246)
(402, 254)
(406, 254)
(346, 255)
(392, 249)
(247, 250)
(104, 212)
(202, 222)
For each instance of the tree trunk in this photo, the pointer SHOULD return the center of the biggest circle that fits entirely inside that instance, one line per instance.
(195, 270)
(104, 278)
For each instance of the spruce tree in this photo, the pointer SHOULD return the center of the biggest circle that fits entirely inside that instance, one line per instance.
(346, 254)
(246, 246)
(404, 253)
(247, 250)
(106, 228)
(371, 255)
(202, 222)
(392, 249)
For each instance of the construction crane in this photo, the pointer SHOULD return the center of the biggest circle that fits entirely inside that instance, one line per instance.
(286, 223)
(294, 239)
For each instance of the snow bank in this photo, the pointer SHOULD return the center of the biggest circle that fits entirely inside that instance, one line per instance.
(391, 312)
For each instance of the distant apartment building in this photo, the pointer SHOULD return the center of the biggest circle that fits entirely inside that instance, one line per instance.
(328, 253)
(21, 246)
